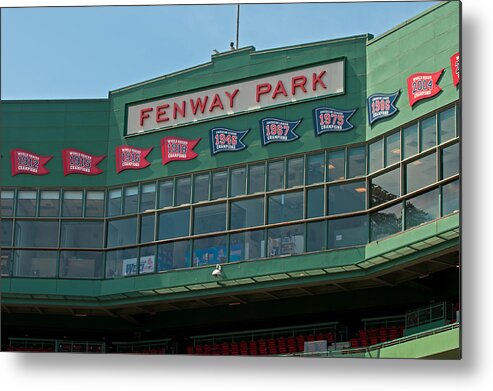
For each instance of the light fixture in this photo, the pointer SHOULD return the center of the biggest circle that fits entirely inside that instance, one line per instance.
(217, 271)
(396, 151)
(360, 189)
(331, 166)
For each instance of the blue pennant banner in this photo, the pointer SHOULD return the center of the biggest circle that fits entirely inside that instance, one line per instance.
(227, 140)
(275, 130)
(381, 106)
(327, 119)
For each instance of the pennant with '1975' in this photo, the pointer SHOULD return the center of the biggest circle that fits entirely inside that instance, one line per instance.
(326, 119)
(381, 106)
(278, 130)
(227, 140)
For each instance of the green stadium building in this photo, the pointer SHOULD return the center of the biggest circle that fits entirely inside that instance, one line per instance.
(295, 201)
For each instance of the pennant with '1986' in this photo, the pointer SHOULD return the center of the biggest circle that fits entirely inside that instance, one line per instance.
(326, 119)
(227, 140)
(278, 130)
(381, 106)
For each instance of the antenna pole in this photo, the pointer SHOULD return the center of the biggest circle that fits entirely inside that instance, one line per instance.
(237, 24)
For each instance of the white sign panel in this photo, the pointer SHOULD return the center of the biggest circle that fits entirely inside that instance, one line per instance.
(256, 94)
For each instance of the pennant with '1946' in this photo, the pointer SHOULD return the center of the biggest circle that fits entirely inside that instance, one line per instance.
(455, 65)
(278, 130)
(227, 140)
(422, 86)
(131, 158)
(25, 162)
(78, 162)
(175, 148)
(381, 106)
(327, 119)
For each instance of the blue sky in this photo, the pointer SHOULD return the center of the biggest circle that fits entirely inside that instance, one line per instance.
(84, 52)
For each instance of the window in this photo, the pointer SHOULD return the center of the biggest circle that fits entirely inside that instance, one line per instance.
(315, 236)
(219, 184)
(450, 161)
(182, 194)
(6, 232)
(295, 172)
(131, 202)
(122, 232)
(175, 255)
(72, 204)
(82, 234)
(210, 218)
(348, 231)
(165, 194)
(285, 207)
(356, 162)
(315, 168)
(5, 262)
(35, 263)
(276, 175)
(247, 213)
(427, 133)
(147, 228)
(410, 141)
(446, 124)
(49, 203)
(385, 187)
(147, 259)
(115, 202)
(386, 222)
(450, 197)
(285, 240)
(81, 264)
(174, 224)
(315, 202)
(94, 203)
(256, 178)
(121, 262)
(421, 172)
(210, 251)
(238, 181)
(37, 233)
(248, 245)
(201, 187)
(6, 203)
(148, 197)
(421, 209)
(348, 197)
(26, 203)
(335, 165)
(392, 149)
(375, 152)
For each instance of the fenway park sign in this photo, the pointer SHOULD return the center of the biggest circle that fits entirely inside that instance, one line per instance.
(283, 88)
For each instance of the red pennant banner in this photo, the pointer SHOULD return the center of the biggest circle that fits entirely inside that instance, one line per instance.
(422, 86)
(77, 162)
(131, 158)
(25, 162)
(174, 148)
(455, 65)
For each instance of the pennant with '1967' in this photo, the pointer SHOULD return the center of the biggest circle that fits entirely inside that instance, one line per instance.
(131, 158)
(25, 162)
(422, 86)
(381, 106)
(278, 130)
(227, 140)
(77, 162)
(176, 148)
(326, 119)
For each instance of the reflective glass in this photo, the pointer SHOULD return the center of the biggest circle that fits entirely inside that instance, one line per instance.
(210, 218)
(131, 201)
(36, 233)
(210, 251)
(147, 259)
(385, 187)
(201, 187)
(286, 240)
(276, 175)
(121, 263)
(182, 193)
(26, 203)
(349, 197)
(175, 255)
(295, 172)
(81, 264)
(5, 262)
(450, 198)
(247, 213)
(165, 194)
(348, 231)
(386, 222)
(446, 124)
(35, 263)
(392, 149)
(356, 162)
(247, 245)
(219, 184)
(256, 178)
(82, 234)
(174, 224)
(450, 161)
(421, 172)
(410, 141)
(72, 204)
(335, 165)
(49, 203)
(375, 159)
(6, 203)
(6, 232)
(238, 181)
(428, 133)
(115, 202)
(148, 197)
(315, 236)
(94, 203)
(315, 202)
(285, 207)
(315, 168)
(147, 228)
(421, 209)
(122, 232)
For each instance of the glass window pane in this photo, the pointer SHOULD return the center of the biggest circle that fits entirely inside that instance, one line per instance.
(285, 207)
(95, 203)
(219, 184)
(335, 165)
(36, 233)
(375, 151)
(392, 149)
(286, 240)
(82, 234)
(72, 203)
(174, 224)
(356, 162)
(385, 187)
(349, 231)
(315, 202)
(26, 203)
(147, 259)
(428, 133)
(165, 194)
(6, 262)
(238, 181)
(446, 124)
(115, 202)
(131, 201)
(315, 236)
(421, 209)
(410, 141)
(295, 172)
(201, 187)
(421, 173)
(147, 228)
(122, 232)
(182, 193)
(276, 175)
(35, 263)
(247, 213)
(121, 263)
(81, 264)
(6, 229)
(315, 168)
(346, 198)
(256, 178)
(450, 161)
(248, 245)
(210, 218)
(210, 251)
(174, 255)
(49, 203)
(148, 197)
(386, 222)
(450, 198)
(6, 203)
